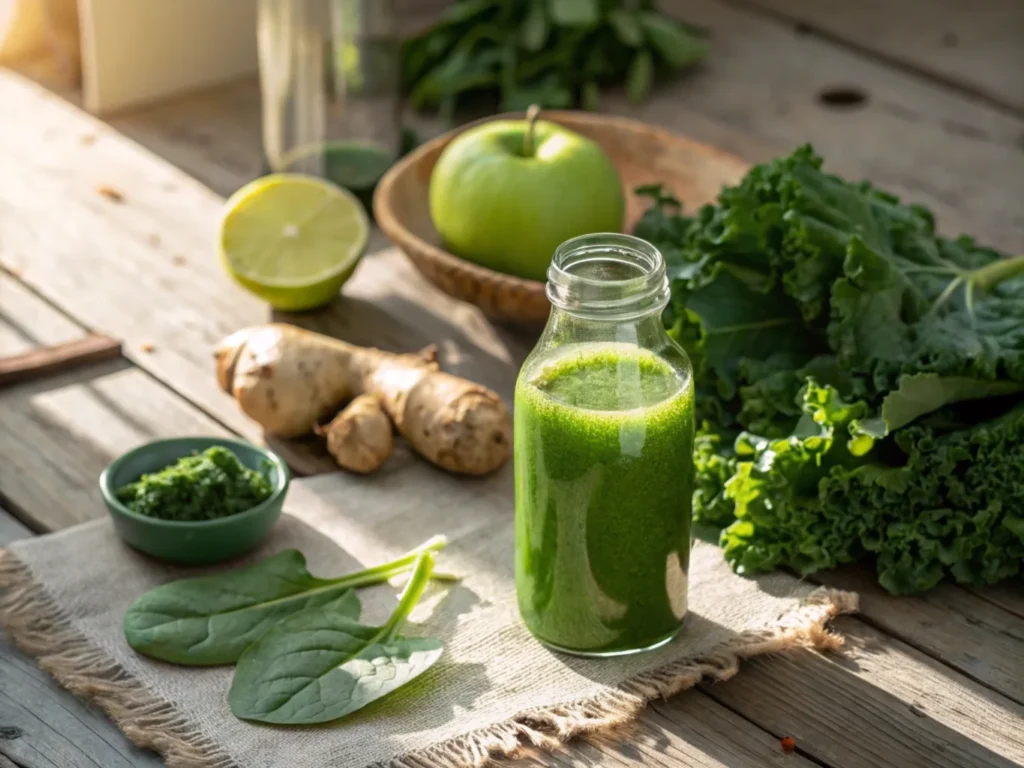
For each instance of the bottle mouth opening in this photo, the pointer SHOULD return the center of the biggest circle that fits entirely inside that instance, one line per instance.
(607, 275)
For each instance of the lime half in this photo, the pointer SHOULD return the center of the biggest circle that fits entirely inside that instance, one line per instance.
(292, 240)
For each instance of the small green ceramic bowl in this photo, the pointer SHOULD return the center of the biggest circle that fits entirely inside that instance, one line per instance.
(202, 541)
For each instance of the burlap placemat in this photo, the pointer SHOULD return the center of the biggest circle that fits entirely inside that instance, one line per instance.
(495, 689)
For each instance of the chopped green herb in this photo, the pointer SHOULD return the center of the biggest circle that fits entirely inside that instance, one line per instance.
(203, 486)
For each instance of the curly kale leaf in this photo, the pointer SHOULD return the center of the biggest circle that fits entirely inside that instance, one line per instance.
(941, 504)
(955, 508)
(714, 463)
(780, 518)
(893, 297)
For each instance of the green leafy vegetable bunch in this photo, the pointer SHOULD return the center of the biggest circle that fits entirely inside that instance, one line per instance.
(860, 379)
(203, 486)
(554, 53)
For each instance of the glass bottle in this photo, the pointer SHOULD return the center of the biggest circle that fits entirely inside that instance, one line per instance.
(604, 456)
(330, 80)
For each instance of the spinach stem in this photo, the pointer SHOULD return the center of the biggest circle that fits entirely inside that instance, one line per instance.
(381, 573)
(412, 594)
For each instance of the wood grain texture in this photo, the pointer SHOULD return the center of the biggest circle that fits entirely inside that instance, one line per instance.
(758, 89)
(27, 322)
(977, 47)
(44, 726)
(975, 636)
(1008, 596)
(689, 731)
(884, 704)
(57, 434)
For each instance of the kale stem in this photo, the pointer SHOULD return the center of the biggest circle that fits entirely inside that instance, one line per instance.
(412, 594)
(988, 277)
(944, 296)
(950, 270)
(381, 573)
(969, 298)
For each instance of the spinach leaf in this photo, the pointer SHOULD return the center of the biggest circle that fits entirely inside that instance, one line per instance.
(677, 46)
(535, 27)
(626, 27)
(320, 665)
(641, 77)
(574, 13)
(211, 620)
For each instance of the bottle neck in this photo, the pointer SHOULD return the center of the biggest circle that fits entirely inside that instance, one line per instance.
(608, 278)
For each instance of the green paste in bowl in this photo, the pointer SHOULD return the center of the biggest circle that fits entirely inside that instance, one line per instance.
(203, 486)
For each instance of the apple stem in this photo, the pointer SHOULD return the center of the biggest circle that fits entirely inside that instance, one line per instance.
(531, 121)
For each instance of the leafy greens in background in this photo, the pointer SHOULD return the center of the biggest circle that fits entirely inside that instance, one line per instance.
(860, 379)
(553, 53)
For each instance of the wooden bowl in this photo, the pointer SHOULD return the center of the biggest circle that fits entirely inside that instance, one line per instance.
(643, 154)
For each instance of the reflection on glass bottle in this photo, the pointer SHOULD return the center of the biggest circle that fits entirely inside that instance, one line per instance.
(329, 76)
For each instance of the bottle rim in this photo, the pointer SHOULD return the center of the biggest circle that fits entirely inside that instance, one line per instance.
(574, 287)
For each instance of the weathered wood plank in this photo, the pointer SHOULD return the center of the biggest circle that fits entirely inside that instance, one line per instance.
(44, 726)
(214, 135)
(762, 80)
(975, 46)
(697, 733)
(972, 635)
(886, 704)
(57, 434)
(27, 322)
(1009, 596)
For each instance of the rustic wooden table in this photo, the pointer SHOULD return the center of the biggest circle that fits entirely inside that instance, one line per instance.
(925, 97)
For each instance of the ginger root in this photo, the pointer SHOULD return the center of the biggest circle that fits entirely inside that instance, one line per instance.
(360, 438)
(289, 380)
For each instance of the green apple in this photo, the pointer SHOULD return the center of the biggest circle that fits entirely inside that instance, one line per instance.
(506, 193)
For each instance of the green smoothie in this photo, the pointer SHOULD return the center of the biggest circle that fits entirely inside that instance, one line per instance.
(604, 477)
